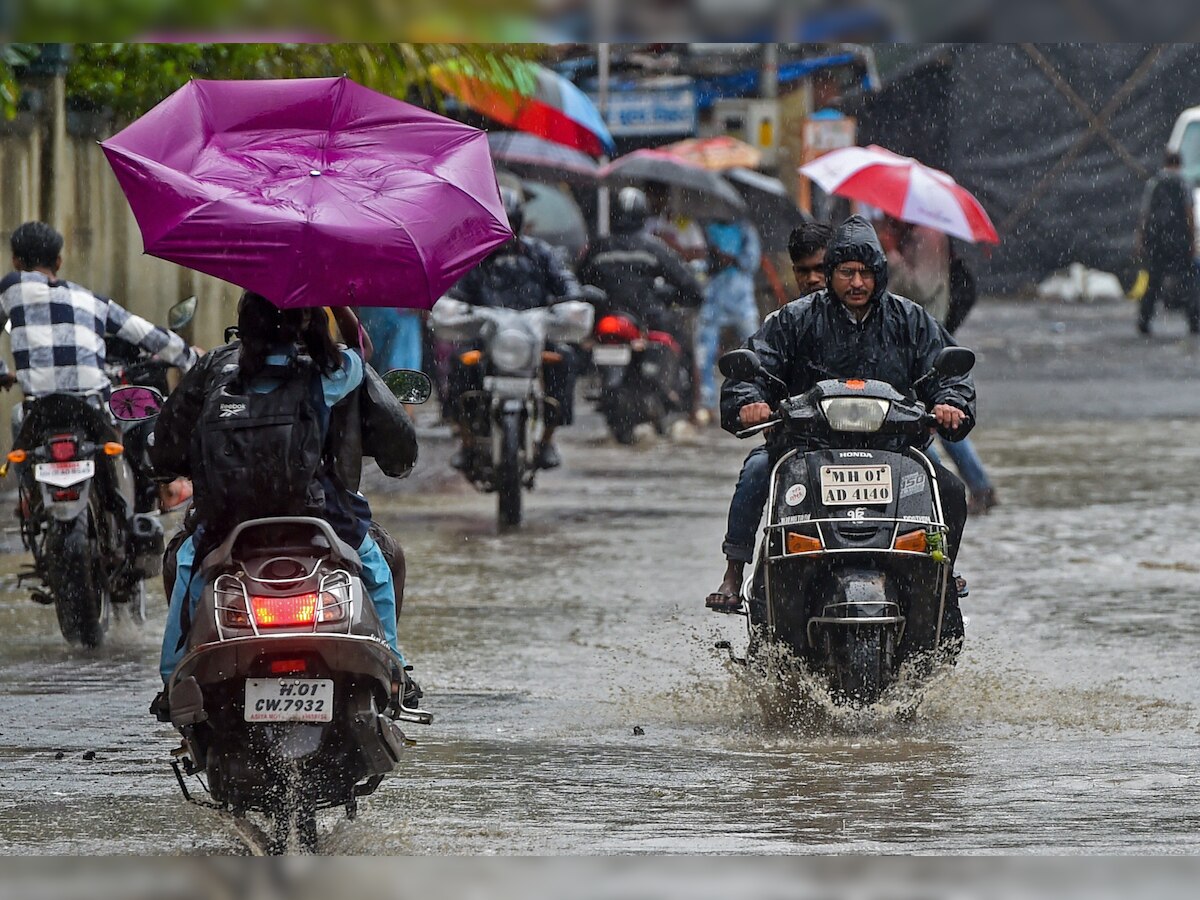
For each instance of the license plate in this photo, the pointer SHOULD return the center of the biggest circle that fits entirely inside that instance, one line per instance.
(856, 485)
(508, 385)
(289, 700)
(612, 356)
(64, 474)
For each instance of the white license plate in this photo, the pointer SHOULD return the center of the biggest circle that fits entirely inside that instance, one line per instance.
(289, 700)
(856, 485)
(612, 356)
(64, 474)
(508, 385)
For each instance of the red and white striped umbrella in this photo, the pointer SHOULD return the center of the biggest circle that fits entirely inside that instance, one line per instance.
(904, 189)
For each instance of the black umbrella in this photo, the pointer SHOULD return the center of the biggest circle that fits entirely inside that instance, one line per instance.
(533, 157)
(772, 210)
(704, 194)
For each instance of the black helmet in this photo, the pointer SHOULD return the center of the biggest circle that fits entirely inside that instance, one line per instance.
(630, 211)
(514, 207)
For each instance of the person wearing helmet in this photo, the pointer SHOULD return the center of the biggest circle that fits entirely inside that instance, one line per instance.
(525, 273)
(641, 275)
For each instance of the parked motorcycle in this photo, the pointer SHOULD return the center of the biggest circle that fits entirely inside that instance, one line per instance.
(640, 372)
(288, 697)
(503, 416)
(852, 574)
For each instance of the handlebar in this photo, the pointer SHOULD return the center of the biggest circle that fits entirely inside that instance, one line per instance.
(760, 427)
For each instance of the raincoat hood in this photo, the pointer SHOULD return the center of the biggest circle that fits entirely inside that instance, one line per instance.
(856, 241)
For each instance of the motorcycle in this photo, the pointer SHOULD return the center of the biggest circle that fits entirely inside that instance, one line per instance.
(84, 508)
(641, 374)
(288, 697)
(504, 414)
(852, 573)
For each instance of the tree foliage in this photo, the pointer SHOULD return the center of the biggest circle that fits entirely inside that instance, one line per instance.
(130, 78)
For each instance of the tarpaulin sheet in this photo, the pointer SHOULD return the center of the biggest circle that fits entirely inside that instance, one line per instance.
(990, 116)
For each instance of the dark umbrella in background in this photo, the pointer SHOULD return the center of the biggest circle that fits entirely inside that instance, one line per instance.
(703, 194)
(771, 208)
(532, 157)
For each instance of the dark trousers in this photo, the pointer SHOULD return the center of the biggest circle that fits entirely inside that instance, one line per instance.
(1160, 267)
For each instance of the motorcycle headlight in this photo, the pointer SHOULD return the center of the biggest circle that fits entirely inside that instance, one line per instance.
(512, 351)
(863, 414)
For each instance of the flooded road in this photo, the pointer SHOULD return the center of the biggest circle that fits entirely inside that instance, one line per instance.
(1071, 724)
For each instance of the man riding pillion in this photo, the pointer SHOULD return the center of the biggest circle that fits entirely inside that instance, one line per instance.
(855, 328)
(807, 245)
(525, 273)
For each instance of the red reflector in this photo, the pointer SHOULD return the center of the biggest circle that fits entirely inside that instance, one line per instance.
(616, 328)
(65, 494)
(62, 451)
(287, 666)
(280, 612)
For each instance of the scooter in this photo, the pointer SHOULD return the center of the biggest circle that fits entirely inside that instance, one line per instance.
(288, 699)
(852, 574)
(503, 415)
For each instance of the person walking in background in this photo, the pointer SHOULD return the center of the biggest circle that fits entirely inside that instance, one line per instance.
(397, 338)
(735, 253)
(1166, 241)
(919, 266)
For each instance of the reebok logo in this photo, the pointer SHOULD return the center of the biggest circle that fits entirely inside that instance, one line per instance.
(229, 410)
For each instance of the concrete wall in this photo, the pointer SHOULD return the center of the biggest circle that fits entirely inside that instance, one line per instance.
(102, 245)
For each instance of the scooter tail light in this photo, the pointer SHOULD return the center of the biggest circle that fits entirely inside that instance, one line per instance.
(298, 609)
(802, 543)
(616, 328)
(913, 542)
(281, 612)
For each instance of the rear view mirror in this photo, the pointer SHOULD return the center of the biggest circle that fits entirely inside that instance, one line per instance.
(135, 403)
(954, 361)
(740, 365)
(408, 385)
(181, 314)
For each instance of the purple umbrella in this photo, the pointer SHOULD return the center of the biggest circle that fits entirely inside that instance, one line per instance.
(311, 192)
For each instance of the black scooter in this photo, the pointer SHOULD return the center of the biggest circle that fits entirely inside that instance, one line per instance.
(852, 574)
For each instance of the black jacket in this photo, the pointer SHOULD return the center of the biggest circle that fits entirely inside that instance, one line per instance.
(815, 338)
(523, 274)
(625, 266)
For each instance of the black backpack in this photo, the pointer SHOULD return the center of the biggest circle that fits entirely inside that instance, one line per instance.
(255, 454)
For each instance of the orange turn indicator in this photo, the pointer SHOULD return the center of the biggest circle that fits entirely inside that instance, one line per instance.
(17, 456)
(471, 357)
(802, 543)
(112, 448)
(914, 542)
(855, 384)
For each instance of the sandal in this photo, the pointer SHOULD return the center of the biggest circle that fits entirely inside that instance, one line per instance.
(722, 602)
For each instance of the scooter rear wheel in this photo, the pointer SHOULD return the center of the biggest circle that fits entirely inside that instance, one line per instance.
(508, 473)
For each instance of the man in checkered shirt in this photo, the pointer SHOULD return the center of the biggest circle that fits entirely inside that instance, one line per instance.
(58, 328)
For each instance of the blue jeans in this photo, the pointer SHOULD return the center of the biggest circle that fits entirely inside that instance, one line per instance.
(376, 576)
(733, 307)
(968, 463)
(746, 507)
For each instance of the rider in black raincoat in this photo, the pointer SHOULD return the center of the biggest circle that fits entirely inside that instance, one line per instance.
(855, 328)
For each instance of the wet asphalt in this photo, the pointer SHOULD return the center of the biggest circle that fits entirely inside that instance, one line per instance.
(581, 707)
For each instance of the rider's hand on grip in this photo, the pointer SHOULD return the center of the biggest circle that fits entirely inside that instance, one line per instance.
(754, 414)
